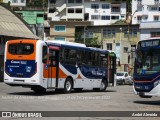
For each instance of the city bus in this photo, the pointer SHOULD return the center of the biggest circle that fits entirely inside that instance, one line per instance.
(59, 65)
(147, 68)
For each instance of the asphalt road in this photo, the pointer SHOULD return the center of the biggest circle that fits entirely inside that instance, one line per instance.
(119, 98)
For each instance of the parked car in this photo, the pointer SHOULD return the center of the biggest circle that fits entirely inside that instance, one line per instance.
(123, 78)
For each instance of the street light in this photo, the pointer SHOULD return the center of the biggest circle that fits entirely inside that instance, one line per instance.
(129, 22)
(84, 32)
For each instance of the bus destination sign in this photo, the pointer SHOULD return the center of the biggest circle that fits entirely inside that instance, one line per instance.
(149, 43)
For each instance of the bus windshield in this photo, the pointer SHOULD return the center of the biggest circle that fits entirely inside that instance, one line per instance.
(147, 61)
(21, 49)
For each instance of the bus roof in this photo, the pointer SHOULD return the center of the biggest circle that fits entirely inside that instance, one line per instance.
(73, 44)
(66, 43)
(151, 38)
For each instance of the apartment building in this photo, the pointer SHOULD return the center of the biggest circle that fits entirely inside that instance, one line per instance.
(16, 3)
(100, 12)
(104, 12)
(148, 16)
(146, 10)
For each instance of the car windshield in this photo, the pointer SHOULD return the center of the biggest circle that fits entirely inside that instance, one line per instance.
(120, 74)
(147, 61)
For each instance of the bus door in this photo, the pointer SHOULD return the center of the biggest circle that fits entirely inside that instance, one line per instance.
(112, 68)
(53, 67)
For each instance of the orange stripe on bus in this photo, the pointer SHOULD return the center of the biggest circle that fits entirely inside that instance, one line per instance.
(62, 74)
(79, 77)
(21, 57)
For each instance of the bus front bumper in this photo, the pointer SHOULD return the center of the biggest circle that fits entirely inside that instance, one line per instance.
(154, 92)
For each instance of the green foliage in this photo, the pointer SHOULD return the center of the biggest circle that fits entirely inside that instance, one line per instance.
(129, 5)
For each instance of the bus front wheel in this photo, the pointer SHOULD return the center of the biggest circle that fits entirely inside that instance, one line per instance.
(68, 86)
(144, 96)
(104, 85)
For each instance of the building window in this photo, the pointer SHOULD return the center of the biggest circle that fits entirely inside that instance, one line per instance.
(60, 28)
(125, 49)
(145, 17)
(154, 8)
(139, 8)
(105, 6)
(71, 10)
(78, 1)
(109, 46)
(132, 33)
(139, 18)
(115, 17)
(89, 34)
(94, 17)
(94, 6)
(78, 10)
(70, 1)
(105, 17)
(59, 38)
(155, 34)
(109, 33)
(14, 1)
(156, 18)
(115, 9)
(22, 1)
(122, 16)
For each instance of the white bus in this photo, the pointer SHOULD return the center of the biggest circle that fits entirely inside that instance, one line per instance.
(147, 68)
(63, 66)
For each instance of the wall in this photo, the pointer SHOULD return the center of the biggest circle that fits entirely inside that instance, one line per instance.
(69, 34)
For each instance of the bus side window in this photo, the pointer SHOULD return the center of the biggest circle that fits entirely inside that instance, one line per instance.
(84, 58)
(103, 60)
(78, 58)
(44, 54)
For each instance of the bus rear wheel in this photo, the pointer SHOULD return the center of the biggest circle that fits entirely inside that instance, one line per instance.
(68, 86)
(103, 86)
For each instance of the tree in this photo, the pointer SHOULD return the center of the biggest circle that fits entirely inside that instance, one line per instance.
(129, 5)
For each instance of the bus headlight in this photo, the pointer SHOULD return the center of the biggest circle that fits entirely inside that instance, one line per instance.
(156, 83)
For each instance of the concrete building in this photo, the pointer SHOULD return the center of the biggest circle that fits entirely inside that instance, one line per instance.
(11, 27)
(65, 30)
(104, 12)
(35, 20)
(100, 12)
(149, 29)
(16, 3)
(147, 10)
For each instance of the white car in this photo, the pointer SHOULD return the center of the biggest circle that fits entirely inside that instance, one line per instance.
(123, 78)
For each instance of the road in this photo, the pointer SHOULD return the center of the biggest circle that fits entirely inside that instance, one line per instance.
(119, 98)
